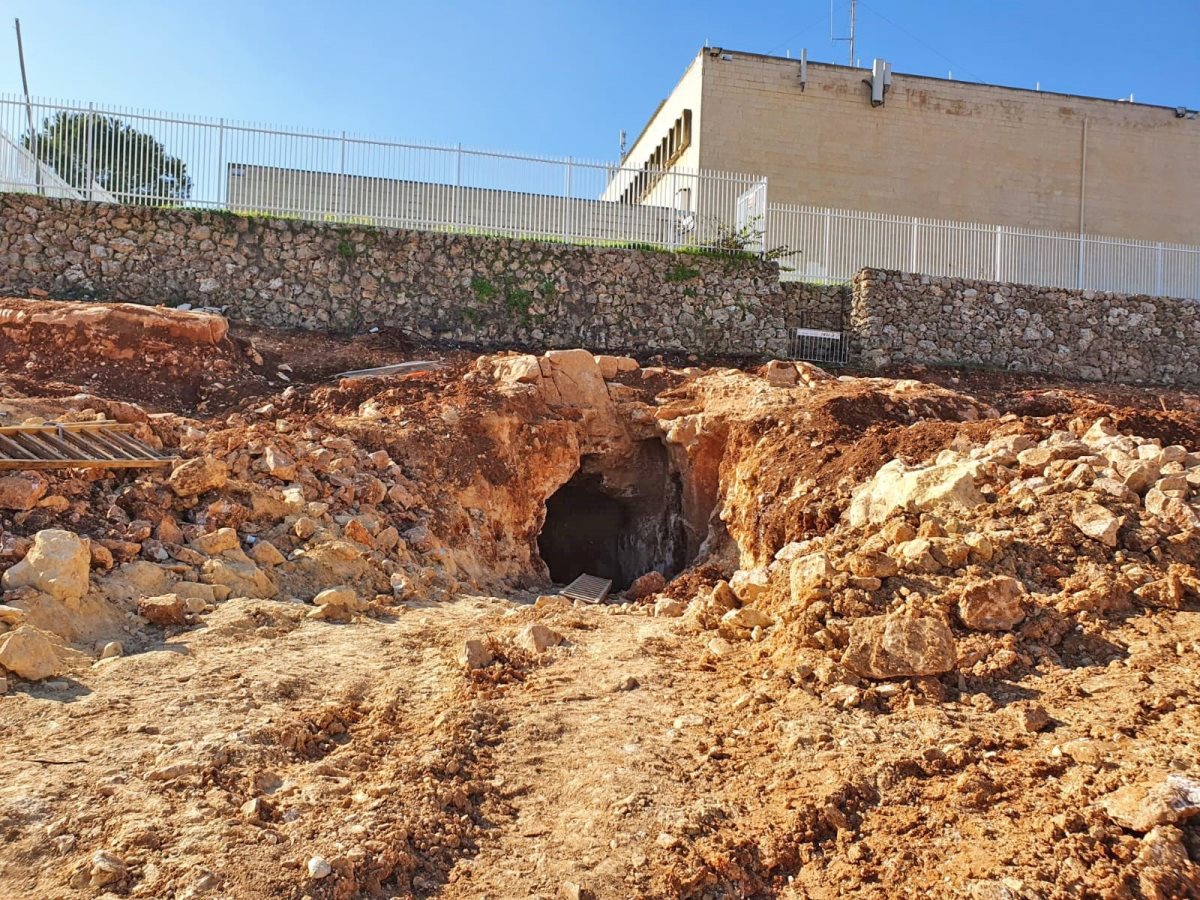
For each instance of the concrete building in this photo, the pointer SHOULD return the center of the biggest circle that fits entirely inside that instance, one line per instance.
(925, 147)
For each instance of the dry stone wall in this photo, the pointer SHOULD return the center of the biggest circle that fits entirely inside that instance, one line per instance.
(483, 290)
(816, 305)
(897, 317)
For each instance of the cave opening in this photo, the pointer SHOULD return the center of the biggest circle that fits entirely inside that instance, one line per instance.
(616, 521)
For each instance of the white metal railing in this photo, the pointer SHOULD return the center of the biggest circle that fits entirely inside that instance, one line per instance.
(124, 155)
(834, 244)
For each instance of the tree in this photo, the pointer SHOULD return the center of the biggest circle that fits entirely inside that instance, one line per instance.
(89, 149)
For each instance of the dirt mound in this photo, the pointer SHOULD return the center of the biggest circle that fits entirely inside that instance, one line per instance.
(916, 639)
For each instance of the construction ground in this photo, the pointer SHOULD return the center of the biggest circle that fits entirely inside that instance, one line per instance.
(927, 634)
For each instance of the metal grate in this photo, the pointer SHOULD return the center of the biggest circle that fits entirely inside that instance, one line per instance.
(105, 445)
(827, 346)
(588, 588)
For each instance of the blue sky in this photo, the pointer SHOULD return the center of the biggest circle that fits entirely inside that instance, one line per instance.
(557, 78)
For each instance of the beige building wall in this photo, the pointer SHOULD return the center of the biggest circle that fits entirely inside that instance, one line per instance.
(685, 97)
(949, 149)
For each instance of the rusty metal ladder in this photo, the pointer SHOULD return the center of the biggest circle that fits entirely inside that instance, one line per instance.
(67, 445)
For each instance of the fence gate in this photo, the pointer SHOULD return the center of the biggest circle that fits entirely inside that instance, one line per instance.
(751, 216)
(824, 346)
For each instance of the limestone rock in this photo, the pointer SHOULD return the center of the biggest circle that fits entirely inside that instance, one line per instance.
(57, 564)
(237, 572)
(950, 486)
(668, 608)
(896, 646)
(1097, 522)
(214, 543)
(266, 554)
(23, 491)
(338, 603)
(169, 609)
(992, 605)
(750, 584)
(196, 476)
(650, 583)
(809, 578)
(536, 638)
(30, 653)
(737, 624)
(475, 654)
(1142, 806)
(278, 464)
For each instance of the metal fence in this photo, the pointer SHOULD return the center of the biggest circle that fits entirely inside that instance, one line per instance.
(133, 156)
(834, 244)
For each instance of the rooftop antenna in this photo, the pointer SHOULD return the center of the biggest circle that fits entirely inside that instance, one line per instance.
(37, 165)
(622, 143)
(850, 39)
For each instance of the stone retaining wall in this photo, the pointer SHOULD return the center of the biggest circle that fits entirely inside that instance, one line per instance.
(898, 317)
(481, 290)
(816, 305)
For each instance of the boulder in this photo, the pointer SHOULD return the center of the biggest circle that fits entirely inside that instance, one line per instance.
(214, 543)
(949, 486)
(30, 653)
(57, 564)
(809, 578)
(196, 476)
(23, 491)
(266, 554)
(612, 366)
(737, 624)
(992, 605)
(650, 583)
(169, 609)
(238, 572)
(475, 654)
(750, 584)
(537, 638)
(899, 646)
(278, 464)
(1142, 806)
(338, 603)
(669, 609)
(1097, 522)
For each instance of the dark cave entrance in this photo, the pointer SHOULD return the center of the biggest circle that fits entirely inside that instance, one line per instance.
(617, 523)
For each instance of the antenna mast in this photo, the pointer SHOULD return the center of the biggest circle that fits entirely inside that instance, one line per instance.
(850, 39)
(37, 163)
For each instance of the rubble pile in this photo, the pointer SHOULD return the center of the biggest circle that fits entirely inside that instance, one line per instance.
(872, 622)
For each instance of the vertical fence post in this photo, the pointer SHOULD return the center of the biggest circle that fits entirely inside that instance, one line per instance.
(999, 253)
(912, 256)
(341, 199)
(1079, 274)
(90, 170)
(457, 206)
(223, 173)
(828, 244)
(1158, 269)
(673, 214)
(568, 225)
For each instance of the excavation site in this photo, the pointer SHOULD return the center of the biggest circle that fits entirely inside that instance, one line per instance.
(572, 624)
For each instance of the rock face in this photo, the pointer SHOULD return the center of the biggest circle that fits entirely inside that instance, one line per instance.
(57, 565)
(992, 605)
(896, 646)
(198, 475)
(30, 653)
